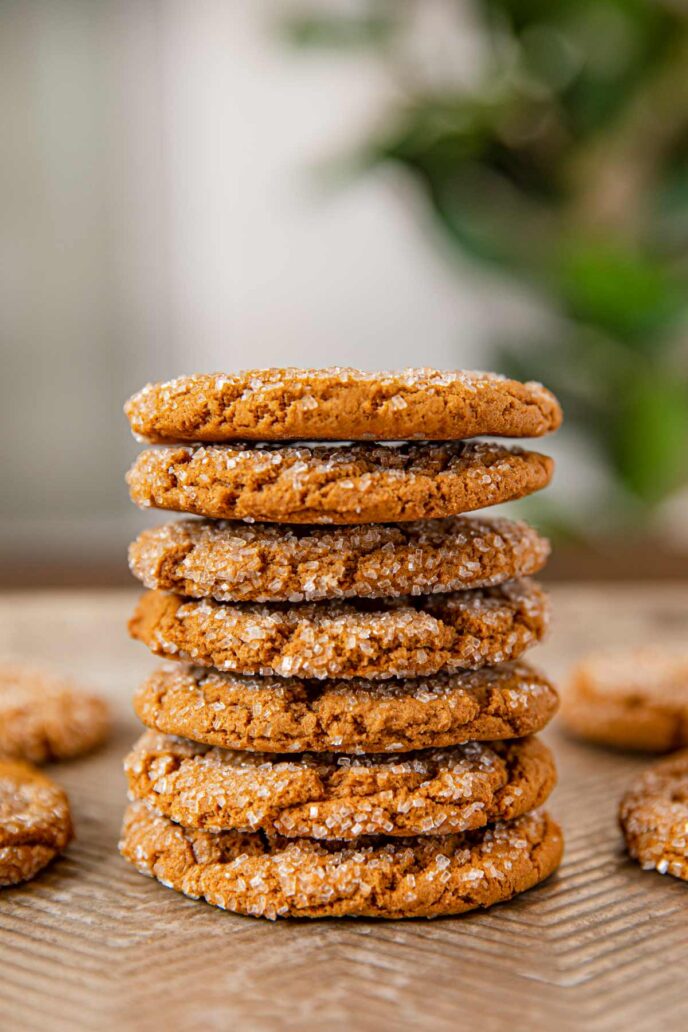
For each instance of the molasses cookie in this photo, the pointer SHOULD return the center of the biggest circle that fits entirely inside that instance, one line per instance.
(250, 873)
(264, 562)
(44, 717)
(35, 823)
(373, 638)
(280, 715)
(636, 699)
(654, 817)
(355, 483)
(329, 796)
(331, 404)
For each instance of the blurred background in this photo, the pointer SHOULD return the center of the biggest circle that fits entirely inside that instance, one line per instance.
(214, 185)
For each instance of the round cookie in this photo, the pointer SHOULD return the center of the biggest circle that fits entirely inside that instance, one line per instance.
(250, 873)
(263, 562)
(35, 823)
(358, 483)
(637, 699)
(331, 404)
(329, 796)
(381, 638)
(288, 715)
(44, 717)
(654, 817)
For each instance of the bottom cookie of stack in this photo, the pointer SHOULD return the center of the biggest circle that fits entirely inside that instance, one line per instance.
(251, 873)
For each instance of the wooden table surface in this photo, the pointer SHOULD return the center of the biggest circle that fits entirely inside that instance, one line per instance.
(91, 944)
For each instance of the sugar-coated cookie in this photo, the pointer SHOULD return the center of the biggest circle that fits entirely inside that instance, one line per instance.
(334, 796)
(35, 822)
(331, 404)
(279, 715)
(399, 637)
(431, 876)
(358, 483)
(232, 561)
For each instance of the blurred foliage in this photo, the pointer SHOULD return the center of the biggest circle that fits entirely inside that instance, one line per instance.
(562, 164)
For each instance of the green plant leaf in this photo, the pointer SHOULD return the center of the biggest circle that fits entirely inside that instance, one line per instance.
(339, 32)
(650, 440)
(628, 295)
(581, 101)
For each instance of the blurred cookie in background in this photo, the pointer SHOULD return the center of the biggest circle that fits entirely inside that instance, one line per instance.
(635, 699)
(46, 717)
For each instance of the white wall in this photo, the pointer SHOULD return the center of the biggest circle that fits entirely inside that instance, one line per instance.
(161, 213)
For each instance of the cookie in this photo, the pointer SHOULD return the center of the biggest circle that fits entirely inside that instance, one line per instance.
(335, 404)
(372, 638)
(44, 717)
(35, 823)
(363, 483)
(250, 873)
(636, 699)
(278, 715)
(326, 796)
(262, 562)
(654, 817)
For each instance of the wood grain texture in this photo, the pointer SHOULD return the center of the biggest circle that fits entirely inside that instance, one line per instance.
(91, 944)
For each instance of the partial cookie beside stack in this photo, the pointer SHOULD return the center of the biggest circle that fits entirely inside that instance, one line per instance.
(638, 699)
(344, 728)
(631, 699)
(43, 718)
(35, 821)
(654, 817)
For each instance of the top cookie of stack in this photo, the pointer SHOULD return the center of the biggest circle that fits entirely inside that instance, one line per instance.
(313, 631)
(336, 404)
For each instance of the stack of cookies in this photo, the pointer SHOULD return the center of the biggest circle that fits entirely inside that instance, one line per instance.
(345, 726)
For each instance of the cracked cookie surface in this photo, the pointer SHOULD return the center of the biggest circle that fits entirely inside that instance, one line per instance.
(250, 873)
(362, 483)
(329, 796)
(283, 404)
(412, 636)
(232, 561)
(35, 822)
(275, 715)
